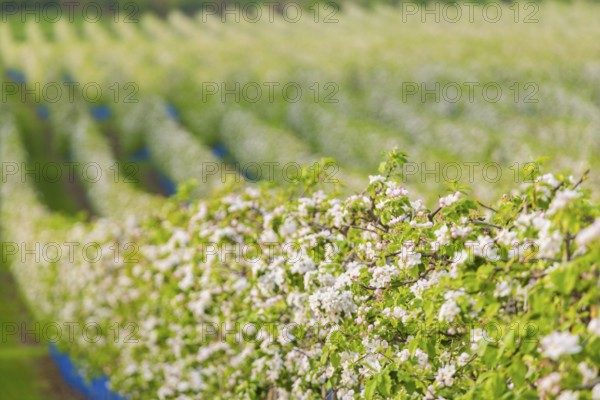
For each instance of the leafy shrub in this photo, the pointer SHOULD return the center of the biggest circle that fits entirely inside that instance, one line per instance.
(292, 292)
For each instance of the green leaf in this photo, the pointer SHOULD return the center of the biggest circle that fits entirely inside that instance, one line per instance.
(385, 384)
(325, 355)
(335, 359)
(371, 387)
(495, 385)
(565, 279)
(510, 341)
(490, 355)
(517, 371)
(593, 350)
(530, 395)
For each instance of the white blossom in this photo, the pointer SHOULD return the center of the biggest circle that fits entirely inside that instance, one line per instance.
(404, 355)
(376, 178)
(594, 326)
(445, 375)
(556, 344)
(549, 384)
(561, 200)
(408, 257)
(422, 358)
(503, 289)
(568, 395)
(549, 179)
(588, 373)
(589, 234)
(596, 392)
(463, 359)
(442, 235)
(449, 200)
(449, 311)
(506, 237)
(458, 231)
(395, 192)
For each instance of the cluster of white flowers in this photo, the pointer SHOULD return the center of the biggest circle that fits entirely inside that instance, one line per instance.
(562, 199)
(450, 199)
(394, 191)
(442, 235)
(331, 304)
(445, 375)
(596, 392)
(507, 238)
(594, 326)
(409, 257)
(450, 309)
(544, 185)
(463, 359)
(588, 373)
(503, 289)
(559, 343)
(389, 302)
(589, 234)
(382, 276)
(549, 384)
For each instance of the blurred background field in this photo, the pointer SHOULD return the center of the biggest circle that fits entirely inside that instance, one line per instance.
(528, 87)
(364, 72)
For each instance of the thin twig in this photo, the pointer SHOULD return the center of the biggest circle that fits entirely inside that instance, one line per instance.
(363, 228)
(568, 240)
(433, 214)
(487, 224)
(487, 207)
(555, 189)
(580, 181)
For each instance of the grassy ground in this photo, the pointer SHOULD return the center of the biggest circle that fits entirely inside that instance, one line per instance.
(26, 370)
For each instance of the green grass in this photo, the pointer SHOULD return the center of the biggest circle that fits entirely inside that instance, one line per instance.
(26, 370)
